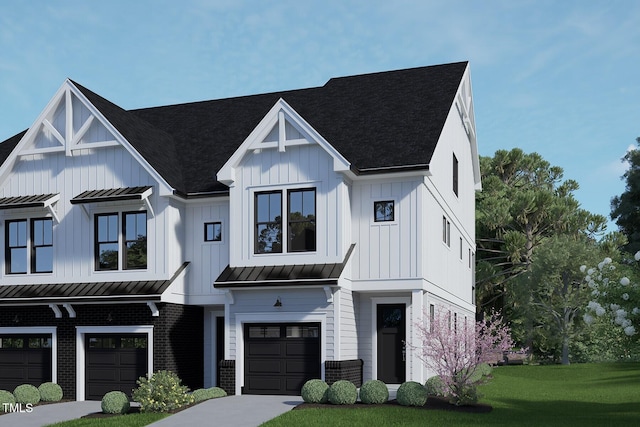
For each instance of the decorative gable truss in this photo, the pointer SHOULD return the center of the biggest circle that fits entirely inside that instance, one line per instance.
(68, 124)
(280, 128)
(464, 106)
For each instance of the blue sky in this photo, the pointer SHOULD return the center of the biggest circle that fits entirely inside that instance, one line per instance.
(560, 78)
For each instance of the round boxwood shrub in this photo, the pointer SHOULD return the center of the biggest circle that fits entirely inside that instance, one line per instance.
(435, 386)
(202, 394)
(315, 391)
(6, 399)
(26, 393)
(374, 392)
(115, 402)
(216, 392)
(50, 392)
(411, 393)
(343, 392)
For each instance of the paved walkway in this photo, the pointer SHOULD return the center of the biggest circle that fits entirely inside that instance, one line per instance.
(232, 411)
(48, 414)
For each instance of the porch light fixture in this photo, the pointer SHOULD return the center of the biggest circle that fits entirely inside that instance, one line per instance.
(109, 318)
(16, 319)
(278, 303)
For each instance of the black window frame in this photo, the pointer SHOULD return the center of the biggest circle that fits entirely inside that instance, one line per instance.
(216, 237)
(126, 241)
(455, 174)
(30, 247)
(9, 248)
(35, 246)
(446, 231)
(309, 241)
(273, 222)
(385, 218)
(122, 262)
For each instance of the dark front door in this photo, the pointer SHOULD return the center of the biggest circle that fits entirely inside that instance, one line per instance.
(280, 358)
(114, 362)
(219, 346)
(24, 359)
(391, 326)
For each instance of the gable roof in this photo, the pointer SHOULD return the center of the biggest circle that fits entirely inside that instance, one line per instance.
(379, 122)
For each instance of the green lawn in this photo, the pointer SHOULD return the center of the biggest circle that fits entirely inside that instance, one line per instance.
(577, 395)
(129, 420)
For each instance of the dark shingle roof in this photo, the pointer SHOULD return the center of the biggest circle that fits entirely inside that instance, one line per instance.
(376, 121)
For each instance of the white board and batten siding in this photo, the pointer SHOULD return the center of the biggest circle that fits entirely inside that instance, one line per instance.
(304, 166)
(73, 237)
(208, 259)
(386, 250)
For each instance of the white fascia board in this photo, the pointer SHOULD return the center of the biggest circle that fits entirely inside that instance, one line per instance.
(226, 174)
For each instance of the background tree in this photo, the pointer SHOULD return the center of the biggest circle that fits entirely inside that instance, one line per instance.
(523, 202)
(625, 209)
(557, 293)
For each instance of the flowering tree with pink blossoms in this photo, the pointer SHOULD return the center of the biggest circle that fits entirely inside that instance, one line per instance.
(455, 352)
(613, 296)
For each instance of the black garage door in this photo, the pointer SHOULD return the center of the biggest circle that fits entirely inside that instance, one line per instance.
(114, 362)
(24, 359)
(280, 358)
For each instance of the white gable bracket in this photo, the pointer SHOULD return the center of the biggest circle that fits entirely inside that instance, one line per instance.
(228, 295)
(70, 310)
(154, 309)
(328, 292)
(56, 311)
(49, 206)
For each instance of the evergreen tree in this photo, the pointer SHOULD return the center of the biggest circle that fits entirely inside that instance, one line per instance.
(625, 209)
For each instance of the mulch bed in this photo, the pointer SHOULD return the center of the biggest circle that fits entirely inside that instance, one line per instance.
(433, 403)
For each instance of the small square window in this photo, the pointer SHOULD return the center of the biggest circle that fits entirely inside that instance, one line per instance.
(383, 211)
(213, 232)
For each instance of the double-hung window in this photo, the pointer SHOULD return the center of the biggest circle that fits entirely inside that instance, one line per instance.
(121, 240)
(29, 249)
(300, 222)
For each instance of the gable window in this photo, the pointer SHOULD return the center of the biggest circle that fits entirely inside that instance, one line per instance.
(268, 211)
(446, 231)
(29, 250)
(455, 175)
(383, 211)
(302, 220)
(213, 232)
(115, 246)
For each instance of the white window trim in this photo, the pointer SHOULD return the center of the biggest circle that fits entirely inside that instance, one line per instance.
(293, 317)
(81, 331)
(40, 330)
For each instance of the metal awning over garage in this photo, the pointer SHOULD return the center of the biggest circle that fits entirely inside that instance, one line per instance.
(282, 275)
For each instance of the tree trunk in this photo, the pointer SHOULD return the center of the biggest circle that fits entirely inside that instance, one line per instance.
(565, 349)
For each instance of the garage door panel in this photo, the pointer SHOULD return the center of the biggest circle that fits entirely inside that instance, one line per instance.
(22, 364)
(111, 363)
(266, 384)
(280, 358)
(264, 348)
(264, 366)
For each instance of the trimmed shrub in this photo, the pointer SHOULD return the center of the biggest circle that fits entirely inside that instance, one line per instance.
(163, 392)
(203, 394)
(26, 393)
(374, 392)
(467, 395)
(50, 392)
(343, 392)
(315, 391)
(411, 393)
(6, 399)
(435, 386)
(115, 402)
(217, 392)
(485, 369)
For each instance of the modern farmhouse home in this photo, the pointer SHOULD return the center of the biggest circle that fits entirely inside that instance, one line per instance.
(251, 242)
